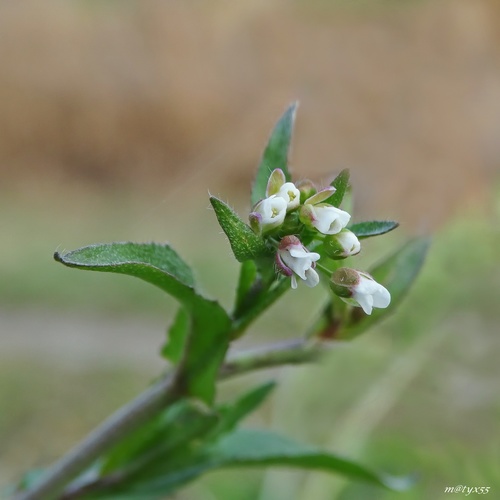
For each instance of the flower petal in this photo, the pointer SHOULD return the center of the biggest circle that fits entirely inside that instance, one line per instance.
(365, 301)
(312, 278)
(290, 194)
(276, 180)
(320, 196)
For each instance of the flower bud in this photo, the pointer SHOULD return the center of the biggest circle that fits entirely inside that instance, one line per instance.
(359, 289)
(306, 188)
(342, 245)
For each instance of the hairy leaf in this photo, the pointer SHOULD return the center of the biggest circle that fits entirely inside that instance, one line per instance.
(245, 244)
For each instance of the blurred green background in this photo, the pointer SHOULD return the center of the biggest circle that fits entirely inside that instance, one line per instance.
(117, 118)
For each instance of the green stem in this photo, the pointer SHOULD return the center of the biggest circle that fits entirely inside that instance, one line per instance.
(150, 402)
(327, 272)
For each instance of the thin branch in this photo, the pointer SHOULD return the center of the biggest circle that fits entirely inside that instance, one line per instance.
(150, 402)
(283, 353)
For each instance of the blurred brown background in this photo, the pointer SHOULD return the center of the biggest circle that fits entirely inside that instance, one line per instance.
(135, 94)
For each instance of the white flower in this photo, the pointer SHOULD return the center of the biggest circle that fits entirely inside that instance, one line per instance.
(293, 259)
(359, 289)
(277, 185)
(325, 218)
(290, 194)
(269, 213)
(342, 245)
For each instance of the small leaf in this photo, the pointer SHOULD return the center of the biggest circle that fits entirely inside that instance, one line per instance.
(261, 302)
(341, 184)
(397, 273)
(210, 325)
(276, 153)
(177, 337)
(373, 228)
(233, 413)
(246, 245)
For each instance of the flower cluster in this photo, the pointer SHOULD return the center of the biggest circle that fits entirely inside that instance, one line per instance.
(290, 212)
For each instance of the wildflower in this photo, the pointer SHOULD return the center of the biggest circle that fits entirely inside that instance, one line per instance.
(293, 259)
(342, 245)
(359, 289)
(290, 194)
(277, 185)
(268, 214)
(325, 218)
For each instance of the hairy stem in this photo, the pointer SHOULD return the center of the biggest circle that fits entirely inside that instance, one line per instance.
(150, 402)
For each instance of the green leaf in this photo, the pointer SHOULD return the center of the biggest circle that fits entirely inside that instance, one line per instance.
(397, 273)
(260, 448)
(341, 184)
(372, 228)
(246, 281)
(136, 259)
(177, 337)
(263, 299)
(156, 440)
(245, 244)
(276, 153)
(210, 325)
(265, 448)
(232, 413)
(177, 439)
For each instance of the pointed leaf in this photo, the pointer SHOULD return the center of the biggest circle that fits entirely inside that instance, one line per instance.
(260, 448)
(373, 228)
(397, 273)
(259, 304)
(245, 244)
(177, 337)
(152, 262)
(341, 184)
(276, 153)
(265, 448)
(233, 413)
(159, 264)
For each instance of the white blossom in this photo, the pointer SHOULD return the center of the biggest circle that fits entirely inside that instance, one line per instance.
(293, 259)
(269, 213)
(359, 289)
